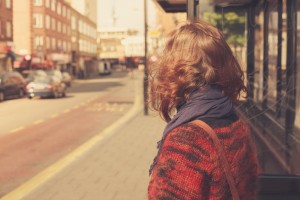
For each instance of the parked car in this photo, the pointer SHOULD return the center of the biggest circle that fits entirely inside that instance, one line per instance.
(45, 86)
(29, 75)
(12, 85)
(66, 78)
(55, 73)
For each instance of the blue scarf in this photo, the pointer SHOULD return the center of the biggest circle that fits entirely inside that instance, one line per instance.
(209, 102)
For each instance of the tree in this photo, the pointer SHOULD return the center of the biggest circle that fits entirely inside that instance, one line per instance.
(231, 24)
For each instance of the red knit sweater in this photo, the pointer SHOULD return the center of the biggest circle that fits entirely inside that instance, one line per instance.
(188, 168)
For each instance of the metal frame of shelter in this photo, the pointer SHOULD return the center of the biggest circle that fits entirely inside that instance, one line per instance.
(277, 138)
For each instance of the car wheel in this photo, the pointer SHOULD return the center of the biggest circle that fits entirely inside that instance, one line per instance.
(2, 96)
(63, 94)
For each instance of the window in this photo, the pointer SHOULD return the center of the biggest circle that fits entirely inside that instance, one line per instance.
(38, 42)
(38, 2)
(59, 26)
(48, 23)
(80, 26)
(53, 3)
(37, 20)
(8, 3)
(85, 46)
(69, 13)
(80, 44)
(47, 3)
(64, 11)
(47, 42)
(73, 39)
(53, 24)
(297, 122)
(53, 43)
(64, 46)
(84, 28)
(58, 8)
(258, 66)
(73, 23)
(272, 74)
(64, 29)
(59, 44)
(275, 78)
(272, 56)
(8, 29)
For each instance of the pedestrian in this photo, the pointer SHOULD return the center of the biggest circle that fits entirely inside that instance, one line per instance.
(131, 65)
(198, 78)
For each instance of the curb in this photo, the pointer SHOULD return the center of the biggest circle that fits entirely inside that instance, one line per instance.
(42, 177)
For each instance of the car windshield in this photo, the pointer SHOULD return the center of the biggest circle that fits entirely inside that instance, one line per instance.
(50, 72)
(42, 79)
(40, 73)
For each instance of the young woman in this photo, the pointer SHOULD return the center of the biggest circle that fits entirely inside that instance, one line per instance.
(199, 78)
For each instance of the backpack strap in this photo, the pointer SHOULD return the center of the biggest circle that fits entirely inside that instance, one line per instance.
(223, 160)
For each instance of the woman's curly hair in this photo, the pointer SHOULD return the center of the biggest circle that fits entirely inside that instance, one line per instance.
(196, 54)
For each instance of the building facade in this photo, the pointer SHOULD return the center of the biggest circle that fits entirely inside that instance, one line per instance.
(6, 30)
(116, 45)
(43, 34)
(110, 43)
(83, 44)
(87, 8)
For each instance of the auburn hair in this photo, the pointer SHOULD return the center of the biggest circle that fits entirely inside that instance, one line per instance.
(195, 54)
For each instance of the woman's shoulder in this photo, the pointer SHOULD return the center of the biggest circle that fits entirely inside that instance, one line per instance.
(189, 131)
(192, 132)
(189, 137)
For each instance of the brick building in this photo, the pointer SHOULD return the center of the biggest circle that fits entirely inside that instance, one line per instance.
(6, 36)
(83, 44)
(43, 34)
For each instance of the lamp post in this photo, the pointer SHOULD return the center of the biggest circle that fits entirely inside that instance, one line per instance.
(145, 61)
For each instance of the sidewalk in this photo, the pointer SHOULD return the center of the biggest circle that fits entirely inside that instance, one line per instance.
(115, 168)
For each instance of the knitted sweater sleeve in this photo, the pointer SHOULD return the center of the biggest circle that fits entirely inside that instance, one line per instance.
(183, 166)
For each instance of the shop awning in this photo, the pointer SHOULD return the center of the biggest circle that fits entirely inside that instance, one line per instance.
(229, 2)
(173, 5)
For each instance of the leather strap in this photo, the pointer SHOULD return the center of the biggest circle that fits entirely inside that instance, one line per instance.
(222, 157)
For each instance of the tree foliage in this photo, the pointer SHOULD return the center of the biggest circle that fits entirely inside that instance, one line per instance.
(231, 24)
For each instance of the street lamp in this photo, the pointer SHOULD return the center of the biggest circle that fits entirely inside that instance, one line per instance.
(145, 61)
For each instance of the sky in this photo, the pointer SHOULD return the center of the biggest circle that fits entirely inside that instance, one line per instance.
(128, 13)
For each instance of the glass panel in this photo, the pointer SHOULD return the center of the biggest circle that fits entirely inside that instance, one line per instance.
(258, 65)
(272, 65)
(297, 122)
(280, 112)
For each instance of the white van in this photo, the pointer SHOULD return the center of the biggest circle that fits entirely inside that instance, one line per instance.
(104, 67)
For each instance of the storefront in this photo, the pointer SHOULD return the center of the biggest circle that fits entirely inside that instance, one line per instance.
(272, 107)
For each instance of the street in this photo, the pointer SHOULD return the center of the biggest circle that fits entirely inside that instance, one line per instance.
(35, 133)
